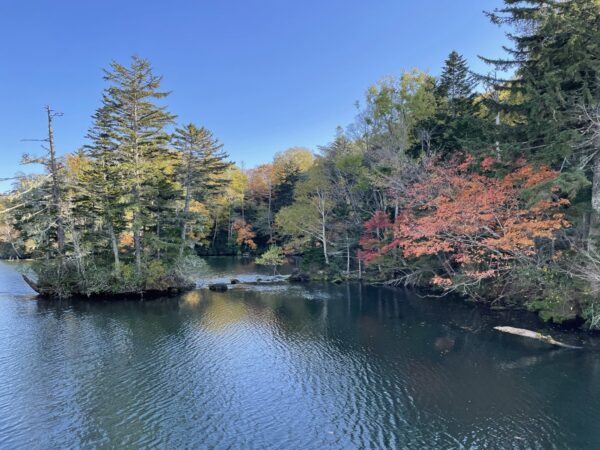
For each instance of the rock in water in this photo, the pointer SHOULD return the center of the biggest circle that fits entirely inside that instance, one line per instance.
(298, 277)
(234, 281)
(218, 287)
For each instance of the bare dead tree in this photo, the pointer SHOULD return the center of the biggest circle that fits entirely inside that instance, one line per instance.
(50, 162)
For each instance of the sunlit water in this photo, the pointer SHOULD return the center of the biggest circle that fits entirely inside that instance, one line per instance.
(285, 367)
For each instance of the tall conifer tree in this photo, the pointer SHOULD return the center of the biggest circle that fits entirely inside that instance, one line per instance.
(202, 160)
(141, 141)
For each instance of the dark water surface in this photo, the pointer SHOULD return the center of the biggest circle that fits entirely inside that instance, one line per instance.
(285, 367)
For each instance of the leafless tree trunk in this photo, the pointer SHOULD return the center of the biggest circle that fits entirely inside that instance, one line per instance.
(323, 212)
(56, 201)
(270, 217)
(214, 239)
(347, 255)
(359, 269)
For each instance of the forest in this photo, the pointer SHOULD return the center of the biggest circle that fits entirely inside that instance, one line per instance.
(483, 185)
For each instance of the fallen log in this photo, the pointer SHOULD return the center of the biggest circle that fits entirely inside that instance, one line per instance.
(535, 335)
(31, 283)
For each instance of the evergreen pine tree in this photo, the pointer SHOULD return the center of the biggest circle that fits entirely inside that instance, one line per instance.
(139, 127)
(556, 58)
(457, 126)
(202, 160)
(104, 195)
(457, 84)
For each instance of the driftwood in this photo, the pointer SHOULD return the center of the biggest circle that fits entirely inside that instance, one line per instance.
(33, 285)
(535, 335)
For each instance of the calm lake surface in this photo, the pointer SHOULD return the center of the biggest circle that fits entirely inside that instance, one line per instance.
(285, 367)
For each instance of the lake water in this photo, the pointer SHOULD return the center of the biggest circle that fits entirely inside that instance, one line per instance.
(285, 367)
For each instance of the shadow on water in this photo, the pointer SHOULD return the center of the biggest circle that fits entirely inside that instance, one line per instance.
(288, 366)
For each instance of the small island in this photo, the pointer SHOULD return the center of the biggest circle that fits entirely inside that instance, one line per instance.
(116, 217)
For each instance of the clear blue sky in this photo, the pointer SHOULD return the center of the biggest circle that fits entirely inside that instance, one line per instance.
(263, 75)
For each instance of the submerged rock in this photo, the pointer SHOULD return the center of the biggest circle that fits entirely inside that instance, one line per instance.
(218, 287)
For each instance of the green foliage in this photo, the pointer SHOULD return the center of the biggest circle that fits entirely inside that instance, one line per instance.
(199, 171)
(273, 257)
(547, 290)
(456, 125)
(188, 268)
(592, 315)
(555, 54)
(312, 258)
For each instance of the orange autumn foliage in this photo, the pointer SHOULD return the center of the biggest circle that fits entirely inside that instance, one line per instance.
(244, 234)
(126, 239)
(479, 225)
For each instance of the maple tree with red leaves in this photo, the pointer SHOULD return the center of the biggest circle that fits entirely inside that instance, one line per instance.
(373, 240)
(476, 226)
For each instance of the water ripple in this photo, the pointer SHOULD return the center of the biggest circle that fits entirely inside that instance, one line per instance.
(301, 367)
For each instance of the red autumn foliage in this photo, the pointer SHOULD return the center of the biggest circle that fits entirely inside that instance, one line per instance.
(478, 226)
(488, 162)
(372, 242)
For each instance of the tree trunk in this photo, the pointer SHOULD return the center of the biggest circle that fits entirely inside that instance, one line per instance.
(137, 243)
(216, 229)
(498, 154)
(114, 245)
(186, 209)
(269, 217)
(324, 240)
(229, 225)
(594, 234)
(186, 206)
(323, 223)
(359, 269)
(60, 231)
(535, 335)
(77, 250)
(347, 256)
(137, 238)
(158, 234)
